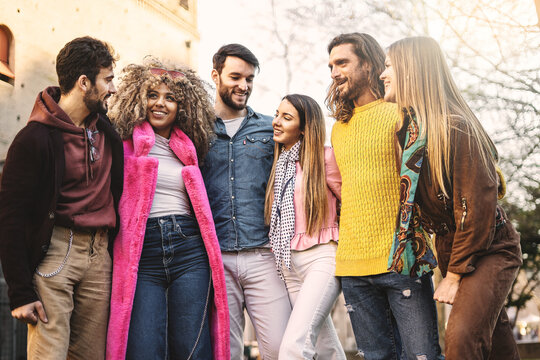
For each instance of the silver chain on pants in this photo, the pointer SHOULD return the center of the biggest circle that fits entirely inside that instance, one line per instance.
(63, 262)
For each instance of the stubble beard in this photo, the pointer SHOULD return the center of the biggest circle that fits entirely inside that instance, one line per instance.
(93, 103)
(226, 96)
(356, 86)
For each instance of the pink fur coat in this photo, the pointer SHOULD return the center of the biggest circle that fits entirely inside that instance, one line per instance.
(140, 176)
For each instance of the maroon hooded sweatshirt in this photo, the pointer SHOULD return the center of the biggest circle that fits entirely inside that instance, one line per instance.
(85, 199)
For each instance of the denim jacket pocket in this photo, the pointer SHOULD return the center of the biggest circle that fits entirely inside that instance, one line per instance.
(258, 147)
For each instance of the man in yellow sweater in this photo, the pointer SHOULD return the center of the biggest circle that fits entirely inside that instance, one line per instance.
(393, 315)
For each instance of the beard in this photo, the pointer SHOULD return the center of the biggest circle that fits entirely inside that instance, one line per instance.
(93, 103)
(226, 96)
(356, 84)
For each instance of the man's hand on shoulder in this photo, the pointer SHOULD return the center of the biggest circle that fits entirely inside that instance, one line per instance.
(30, 313)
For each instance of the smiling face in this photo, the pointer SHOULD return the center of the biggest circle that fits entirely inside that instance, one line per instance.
(287, 125)
(161, 109)
(95, 98)
(235, 82)
(349, 75)
(388, 78)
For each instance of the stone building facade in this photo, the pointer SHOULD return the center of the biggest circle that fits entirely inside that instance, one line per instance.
(32, 33)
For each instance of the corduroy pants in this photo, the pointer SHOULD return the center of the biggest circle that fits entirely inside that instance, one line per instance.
(478, 327)
(76, 300)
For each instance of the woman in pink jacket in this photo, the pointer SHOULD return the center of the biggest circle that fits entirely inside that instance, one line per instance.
(168, 294)
(301, 210)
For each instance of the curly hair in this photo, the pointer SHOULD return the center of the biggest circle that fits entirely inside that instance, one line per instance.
(195, 115)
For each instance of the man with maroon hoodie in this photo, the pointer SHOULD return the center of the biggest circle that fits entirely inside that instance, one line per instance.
(58, 208)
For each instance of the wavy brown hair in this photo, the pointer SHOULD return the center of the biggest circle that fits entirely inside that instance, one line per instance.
(195, 116)
(368, 51)
(311, 161)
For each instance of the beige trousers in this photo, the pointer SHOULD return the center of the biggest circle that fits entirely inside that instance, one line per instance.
(253, 284)
(76, 299)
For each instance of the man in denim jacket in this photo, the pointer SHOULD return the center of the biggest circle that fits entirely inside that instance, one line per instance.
(236, 172)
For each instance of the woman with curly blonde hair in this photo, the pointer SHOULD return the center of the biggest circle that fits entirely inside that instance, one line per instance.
(168, 294)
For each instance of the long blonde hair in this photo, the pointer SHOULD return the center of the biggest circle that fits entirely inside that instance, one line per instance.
(424, 84)
(311, 161)
(195, 116)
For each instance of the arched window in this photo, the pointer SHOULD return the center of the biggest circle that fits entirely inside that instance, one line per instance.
(6, 72)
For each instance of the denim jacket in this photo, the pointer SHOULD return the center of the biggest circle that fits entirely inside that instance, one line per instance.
(235, 173)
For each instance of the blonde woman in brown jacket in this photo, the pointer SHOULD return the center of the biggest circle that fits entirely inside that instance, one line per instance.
(449, 187)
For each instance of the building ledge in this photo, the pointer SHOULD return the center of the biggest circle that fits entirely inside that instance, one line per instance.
(170, 16)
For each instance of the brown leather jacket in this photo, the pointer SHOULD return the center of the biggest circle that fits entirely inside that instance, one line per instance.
(469, 223)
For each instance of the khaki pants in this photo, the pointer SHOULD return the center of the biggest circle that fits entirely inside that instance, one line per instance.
(76, 300)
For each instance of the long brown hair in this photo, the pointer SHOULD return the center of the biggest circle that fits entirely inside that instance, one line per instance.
(195, 116)
(311, 161)
(368, 51)
(424, 84)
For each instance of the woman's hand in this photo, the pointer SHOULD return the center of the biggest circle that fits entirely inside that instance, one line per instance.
(447, 289)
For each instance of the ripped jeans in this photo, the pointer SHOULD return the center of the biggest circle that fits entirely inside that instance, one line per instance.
(377, 304)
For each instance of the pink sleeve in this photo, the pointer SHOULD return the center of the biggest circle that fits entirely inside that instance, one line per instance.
(333, 177)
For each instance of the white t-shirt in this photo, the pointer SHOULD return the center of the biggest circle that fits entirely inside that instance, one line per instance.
(170, 197)
(232, 125)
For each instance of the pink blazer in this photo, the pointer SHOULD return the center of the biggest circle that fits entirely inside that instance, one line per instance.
(329, 231)
(140, 176)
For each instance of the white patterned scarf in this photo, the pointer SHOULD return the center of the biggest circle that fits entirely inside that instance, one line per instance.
(282, 217)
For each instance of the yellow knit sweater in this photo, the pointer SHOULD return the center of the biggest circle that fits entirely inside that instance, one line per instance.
(364, 149)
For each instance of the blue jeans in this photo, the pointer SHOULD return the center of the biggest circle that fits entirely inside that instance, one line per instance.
(372, 301)
(169, 319)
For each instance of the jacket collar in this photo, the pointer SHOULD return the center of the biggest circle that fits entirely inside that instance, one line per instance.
(251, 113)
(144, 138)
